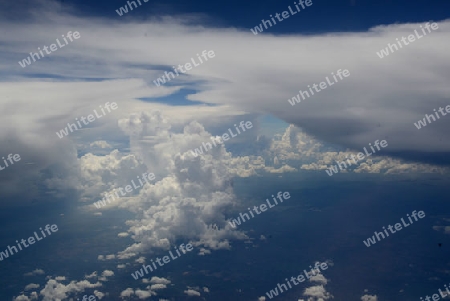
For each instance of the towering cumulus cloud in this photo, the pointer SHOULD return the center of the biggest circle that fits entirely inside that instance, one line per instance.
(189, 193)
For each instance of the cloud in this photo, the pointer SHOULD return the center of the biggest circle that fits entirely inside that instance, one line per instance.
(141, 294)
(158, 280)
(319, 278)
(188, 193)
(100, 144)
(127, 293)
(31, 286)
(192, 293)
(157, 286)
(94, 274)
(350, 113)
(369, 298)
(317, 292)
(107, 273)
(54, 290)
(33, 109)
(35, 272)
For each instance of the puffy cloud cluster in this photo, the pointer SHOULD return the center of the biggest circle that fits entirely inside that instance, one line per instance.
(141, 294)
(192, 192)
(369, 298)
(189, 193)
(192, 293)
(55, 289)
(157, 280)
(297, 148)
(35, 272)
(317, 292)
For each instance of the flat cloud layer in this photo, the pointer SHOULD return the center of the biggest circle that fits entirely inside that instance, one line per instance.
(379, 100)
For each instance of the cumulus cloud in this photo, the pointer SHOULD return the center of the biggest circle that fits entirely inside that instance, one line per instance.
(159, 280)
(157, 286)
(99, 294)
(141, 294)
(189, 193)
(127, 293)
(192, 293)
(369, 298)
(318, 278)
(55, 290)
(35, 272)
(31, 286)
(100, 144)
(92, 275)
(107, 273)
(316, 293)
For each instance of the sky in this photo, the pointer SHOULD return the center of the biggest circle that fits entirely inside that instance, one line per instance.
(247, 86)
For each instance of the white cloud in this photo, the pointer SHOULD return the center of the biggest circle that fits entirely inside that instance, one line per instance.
(158, 286)
(192, 293)
(54, 290)
(127, 293)
(318, 278)
(99, 294)
(35, 272)
(369, 298)
(100, 144)
(94, 274)
(31, 286)
(159, 280)
(107, 273)
(316, 293)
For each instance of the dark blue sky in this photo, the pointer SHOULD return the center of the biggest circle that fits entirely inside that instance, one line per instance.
(322, 16)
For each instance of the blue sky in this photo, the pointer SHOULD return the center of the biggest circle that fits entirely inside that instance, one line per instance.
(322, 16)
